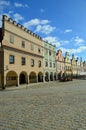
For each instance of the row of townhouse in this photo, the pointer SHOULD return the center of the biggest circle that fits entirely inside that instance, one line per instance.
(26, 58)
(67, 66)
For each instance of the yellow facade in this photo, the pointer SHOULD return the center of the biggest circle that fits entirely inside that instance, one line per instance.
(26, 49)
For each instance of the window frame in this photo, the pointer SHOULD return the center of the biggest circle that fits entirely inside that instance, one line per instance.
(23, 44)
(11, 38)
(32, 62)
(39, 63)
(11, 59)
(23, 61)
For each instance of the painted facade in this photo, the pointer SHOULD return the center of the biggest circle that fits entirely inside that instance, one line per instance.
(49, 62)
(67, 61)
(84, 66)
(74, 66)
(26, 58)
(59, 64)
(21, 55)
(78, 67)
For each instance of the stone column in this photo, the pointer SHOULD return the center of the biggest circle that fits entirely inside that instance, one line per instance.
(18, 81)
(37, 78)
(28, 80)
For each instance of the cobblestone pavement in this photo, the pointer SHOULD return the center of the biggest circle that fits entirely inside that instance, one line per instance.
(45, 106)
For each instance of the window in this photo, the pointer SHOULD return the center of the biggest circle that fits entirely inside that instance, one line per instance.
(32, 62)
(23, 44)
(11, 38)
(53, 65)
(11, 59)
(46, 64)
(49, 53)
(46, 51)
(50, 64)
(23, 61)
(31, 46)
(39, 63)
(39, 50)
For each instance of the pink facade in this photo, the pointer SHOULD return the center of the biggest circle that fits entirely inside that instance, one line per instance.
(59, 62)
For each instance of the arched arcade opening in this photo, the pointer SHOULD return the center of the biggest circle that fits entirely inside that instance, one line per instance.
(23, 78)
(32, 77)
(11, 78)
(40, 77)
(47, 76)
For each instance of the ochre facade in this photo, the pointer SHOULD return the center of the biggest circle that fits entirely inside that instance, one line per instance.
(21, 55)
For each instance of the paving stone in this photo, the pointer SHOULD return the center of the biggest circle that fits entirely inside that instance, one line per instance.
(44, 106)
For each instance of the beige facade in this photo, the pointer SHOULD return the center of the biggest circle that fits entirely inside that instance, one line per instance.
(22, 54)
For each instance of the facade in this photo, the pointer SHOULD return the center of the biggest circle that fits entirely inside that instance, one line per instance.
(84, 66)
(81, 66)
(67, 61)
(49, 62)
(78, 67)
(59, 64)
(21, 55)
(74, 66)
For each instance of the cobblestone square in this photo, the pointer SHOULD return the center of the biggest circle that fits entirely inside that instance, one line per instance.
(44, 106)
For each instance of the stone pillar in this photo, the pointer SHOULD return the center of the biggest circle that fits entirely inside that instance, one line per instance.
(37, 78)
(28, 80)
(44, 78)
(49, 76)
(18, 81)
(3, 81)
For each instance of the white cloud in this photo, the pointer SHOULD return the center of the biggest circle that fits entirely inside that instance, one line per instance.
(79, 41)
(10, 12)
(40, 25)
(44, 21)
(4, 3)
(67, 31)
(20, 5)
(52, 40)
(46, 29)
(17, 17)
(71, 51)
(64, 42)
(41, 10)
(34, 22)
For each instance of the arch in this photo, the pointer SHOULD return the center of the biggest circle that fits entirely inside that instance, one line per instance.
(32, 77)
(47, 76)
(55, 76)
(23, 78)
(11, 78)
(51, 76)
(40, 77)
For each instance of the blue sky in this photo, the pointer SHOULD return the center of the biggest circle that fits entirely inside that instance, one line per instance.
(60, 22)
